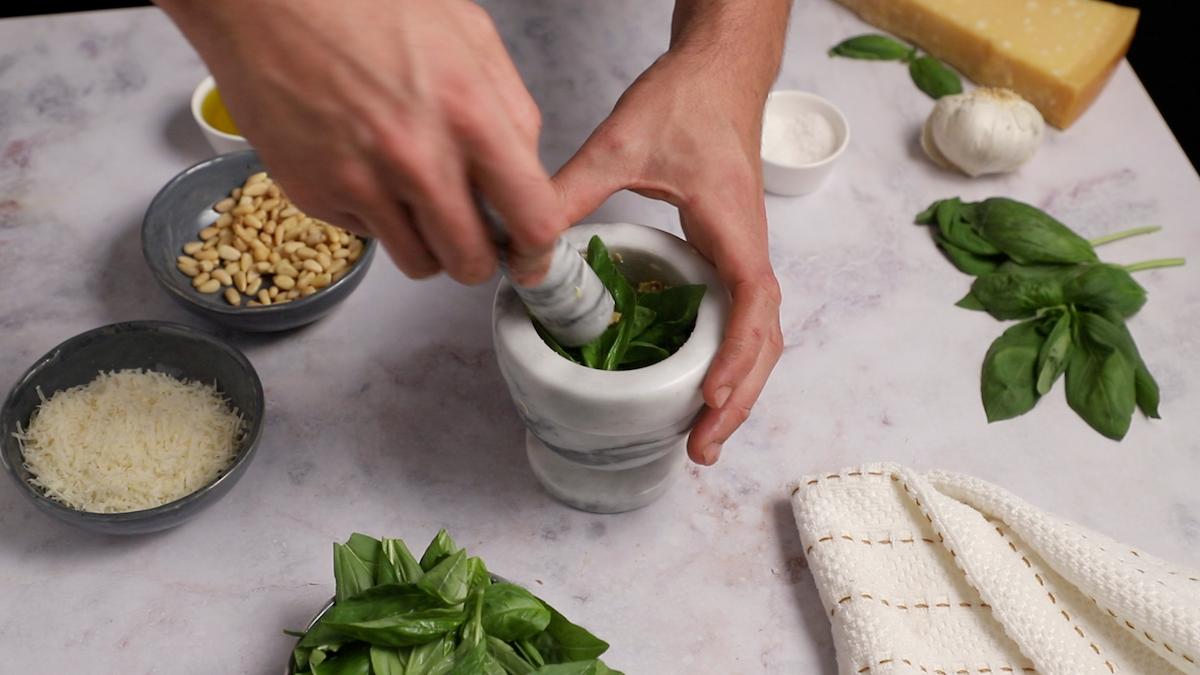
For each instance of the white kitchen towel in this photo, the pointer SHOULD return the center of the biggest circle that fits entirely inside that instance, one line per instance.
(945, 574)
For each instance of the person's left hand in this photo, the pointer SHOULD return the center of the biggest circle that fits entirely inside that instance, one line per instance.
(689, 134)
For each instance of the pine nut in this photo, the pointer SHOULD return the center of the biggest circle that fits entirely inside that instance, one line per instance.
(210, 286)
(253, 221)
(341, 253)
(224, 205)
(274, 257)
(207, 265)
(322, 280)
(263, 267)
(225, 220)
(289, 211)
(254, 190)
(259, 251)
(338, 265)
(193, 247)
(273, 292)
(223, 277)
(286, 269)
(305, 253)
(269, 204)
(253, 286)
(264, 297)
(324, 260)
(241, 246)
(239, 280)
(237, 193)
(190, 270)
(233, 297)
(313, 266)
(308, 290)
(200, 279)
(208, 232)
(255, 178)
(305, 280)
(293, 294)
(187, 260)
(227, 252)
(246, 262)
(292, 246)
(284, 282)
(274, 191)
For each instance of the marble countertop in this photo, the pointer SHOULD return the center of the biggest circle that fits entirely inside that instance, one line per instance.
(390, 417)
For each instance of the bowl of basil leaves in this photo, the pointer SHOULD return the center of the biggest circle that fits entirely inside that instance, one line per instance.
(607, 422)
(442, 613)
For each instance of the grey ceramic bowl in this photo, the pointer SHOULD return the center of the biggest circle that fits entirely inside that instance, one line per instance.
(183, 207)
(177, 350)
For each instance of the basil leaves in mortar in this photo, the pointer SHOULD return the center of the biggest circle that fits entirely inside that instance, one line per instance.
(441, 615)
(650, 322)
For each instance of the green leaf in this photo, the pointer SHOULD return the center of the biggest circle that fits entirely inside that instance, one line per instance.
(551, 342)
(507, 657)
(404, 630)
(592, 667)
(614, 341)
(472, 631)
(872, 48)
(929, 215)
(933, 77)
(563, 641)
(969, 301)
(1105, 288)
(675, 311)
(642, 318)
(966, 262)
(435, 657)
(321, 636)
(1008, 383)
(1018, 291)
(954, 221)
(396, 564)
(530, 652)
(470, 659)
(1100, 379)
(386, 661)
(642, 354)
(1029, 235)
(1054, 354)
(1145, 387)
(449, 580)
(378, 603)
(441, 547)
(513, 613)
(352, 573)
(356, 661)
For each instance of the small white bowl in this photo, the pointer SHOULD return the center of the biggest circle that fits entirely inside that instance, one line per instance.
(220, 141)
(797, 178)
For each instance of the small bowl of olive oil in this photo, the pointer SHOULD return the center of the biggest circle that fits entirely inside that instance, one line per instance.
(213, 119)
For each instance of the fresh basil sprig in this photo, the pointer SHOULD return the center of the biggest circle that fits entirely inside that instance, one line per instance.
(394, 615)
(929, 74)
(1032, 267)
(652, 324)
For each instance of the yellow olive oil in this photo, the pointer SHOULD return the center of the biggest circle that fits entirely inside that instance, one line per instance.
(212, 108)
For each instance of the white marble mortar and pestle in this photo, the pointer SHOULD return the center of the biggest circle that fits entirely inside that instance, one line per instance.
(611, 441)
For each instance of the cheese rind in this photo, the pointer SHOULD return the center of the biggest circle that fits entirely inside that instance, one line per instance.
(1057, 54)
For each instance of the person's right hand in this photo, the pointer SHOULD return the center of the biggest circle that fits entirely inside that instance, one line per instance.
(382, 116)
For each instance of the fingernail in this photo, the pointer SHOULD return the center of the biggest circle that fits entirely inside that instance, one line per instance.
(711, 454)
(721, 396)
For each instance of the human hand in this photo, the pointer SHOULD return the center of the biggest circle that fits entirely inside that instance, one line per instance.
(691, 138)
(381, 116)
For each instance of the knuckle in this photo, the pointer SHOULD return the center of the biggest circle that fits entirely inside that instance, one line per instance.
(473, 269)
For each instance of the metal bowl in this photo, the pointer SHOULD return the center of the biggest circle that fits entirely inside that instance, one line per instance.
(177, 350)
(183, 207)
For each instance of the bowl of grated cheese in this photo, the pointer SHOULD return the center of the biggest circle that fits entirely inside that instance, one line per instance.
(133, 427)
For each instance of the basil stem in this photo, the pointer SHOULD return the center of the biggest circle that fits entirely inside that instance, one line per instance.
(1155, 264)
(1124, 234)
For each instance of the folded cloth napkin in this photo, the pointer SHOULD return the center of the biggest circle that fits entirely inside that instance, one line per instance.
(945, 574)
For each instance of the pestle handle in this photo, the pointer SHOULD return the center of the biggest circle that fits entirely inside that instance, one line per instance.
(571, 302)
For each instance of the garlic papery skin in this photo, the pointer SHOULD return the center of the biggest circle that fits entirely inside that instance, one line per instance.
(988, 130)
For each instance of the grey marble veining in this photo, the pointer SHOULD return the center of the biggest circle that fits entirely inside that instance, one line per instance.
(391, 417)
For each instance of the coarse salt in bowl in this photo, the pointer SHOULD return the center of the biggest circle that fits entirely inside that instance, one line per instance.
(803, 135)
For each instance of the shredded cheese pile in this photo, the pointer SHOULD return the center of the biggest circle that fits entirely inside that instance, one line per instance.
(129, 440)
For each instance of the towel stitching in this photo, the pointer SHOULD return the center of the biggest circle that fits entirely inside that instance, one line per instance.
(1054, 601)
(900, 604)
(1131, 627)
(938, 671)
(867, 541)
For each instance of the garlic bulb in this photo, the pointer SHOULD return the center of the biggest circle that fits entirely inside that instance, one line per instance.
(988, 130)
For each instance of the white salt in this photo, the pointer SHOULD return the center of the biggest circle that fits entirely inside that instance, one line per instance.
(797, 139)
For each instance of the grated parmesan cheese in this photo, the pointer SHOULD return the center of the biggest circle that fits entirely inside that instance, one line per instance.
(129, 440)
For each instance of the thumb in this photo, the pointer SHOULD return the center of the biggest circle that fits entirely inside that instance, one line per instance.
(591, 176)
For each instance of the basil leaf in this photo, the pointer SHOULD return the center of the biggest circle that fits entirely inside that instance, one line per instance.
(379, 602)
(1008, 384)
(1145, 387)
(507, 657)
(966, 262)
(396, 564)
(352, 573)
(449, 580)
(872, 48)
(594, 667)
(1055, 351)
(933, 77)
(472, 631)
(529, 652)
(551, 342)
(1105, 288)
(1100, 379)
(356, 661)
(512, 613)
(470, 659)
(563, 641)
(435, 657)
(403, 630)
(954, 224)
(642, 354)
(386, 661)
(969, 301)
(1029, 235)
(1017, 292)
(441, 547)
(675, 311)
(642, 318)
(614, 341)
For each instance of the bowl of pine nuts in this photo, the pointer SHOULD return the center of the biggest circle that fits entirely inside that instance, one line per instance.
(225, 241)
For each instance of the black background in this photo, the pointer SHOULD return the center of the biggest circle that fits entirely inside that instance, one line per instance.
(1161, 55)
